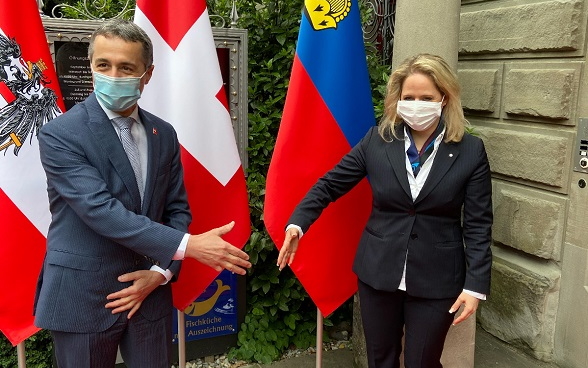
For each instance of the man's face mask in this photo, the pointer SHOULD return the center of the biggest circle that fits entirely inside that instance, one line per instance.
(117, 93)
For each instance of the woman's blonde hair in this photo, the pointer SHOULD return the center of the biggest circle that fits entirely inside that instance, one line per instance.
(446, 82)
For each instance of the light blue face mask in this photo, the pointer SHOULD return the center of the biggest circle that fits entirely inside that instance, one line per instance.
(117, 93)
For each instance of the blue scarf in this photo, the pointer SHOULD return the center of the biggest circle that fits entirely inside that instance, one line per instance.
(418, 158)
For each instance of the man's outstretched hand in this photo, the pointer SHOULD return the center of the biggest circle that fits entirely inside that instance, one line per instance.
(210, 249)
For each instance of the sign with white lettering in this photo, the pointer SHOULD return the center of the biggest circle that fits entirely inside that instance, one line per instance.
(214, 312)
(73, 71)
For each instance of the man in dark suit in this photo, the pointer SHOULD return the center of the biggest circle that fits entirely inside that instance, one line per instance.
(119, 217)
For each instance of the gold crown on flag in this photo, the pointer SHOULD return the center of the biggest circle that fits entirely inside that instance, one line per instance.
(40, 65)
(324, 14)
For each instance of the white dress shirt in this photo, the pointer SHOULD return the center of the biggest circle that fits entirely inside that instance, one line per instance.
(140, 137)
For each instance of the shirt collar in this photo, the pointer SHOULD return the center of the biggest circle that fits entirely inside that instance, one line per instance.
(113, 114)
(408, 140)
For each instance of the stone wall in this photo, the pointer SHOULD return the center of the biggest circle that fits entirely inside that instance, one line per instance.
(521, 67)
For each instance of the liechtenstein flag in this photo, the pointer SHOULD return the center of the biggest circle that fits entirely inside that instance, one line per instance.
(328, 110)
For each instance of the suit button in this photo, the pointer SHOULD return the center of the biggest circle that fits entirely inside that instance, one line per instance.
(411, 213)
(414, 236)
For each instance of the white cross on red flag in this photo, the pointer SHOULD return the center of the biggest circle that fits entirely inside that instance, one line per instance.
(187, 91)
(29, 98)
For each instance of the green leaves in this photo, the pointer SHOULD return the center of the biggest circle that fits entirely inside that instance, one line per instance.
(379, 75)
(38, 351)
(290, 320)
(272, 296)
(279, 312)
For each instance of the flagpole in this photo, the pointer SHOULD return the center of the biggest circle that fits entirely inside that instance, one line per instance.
(319, 338)
(181, 339)
(20, 351)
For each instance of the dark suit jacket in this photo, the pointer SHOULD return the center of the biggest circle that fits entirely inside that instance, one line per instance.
(443, 256)
(98, 229)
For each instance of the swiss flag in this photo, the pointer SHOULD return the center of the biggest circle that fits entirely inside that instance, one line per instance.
(29, 97)
(187, 91)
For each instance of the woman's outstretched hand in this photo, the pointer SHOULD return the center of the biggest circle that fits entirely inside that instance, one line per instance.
(288, 250)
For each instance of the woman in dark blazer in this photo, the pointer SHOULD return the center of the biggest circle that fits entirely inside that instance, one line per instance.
(425, 250)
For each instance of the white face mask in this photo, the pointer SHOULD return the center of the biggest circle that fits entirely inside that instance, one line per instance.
(419, 115)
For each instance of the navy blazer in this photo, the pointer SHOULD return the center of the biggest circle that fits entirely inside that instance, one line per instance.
(99, 230)
(444, 235)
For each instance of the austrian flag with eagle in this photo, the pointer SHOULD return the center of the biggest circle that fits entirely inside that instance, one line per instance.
(28, 103)
(29, 98)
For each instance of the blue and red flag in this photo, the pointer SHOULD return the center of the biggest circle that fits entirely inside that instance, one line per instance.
(328, 110)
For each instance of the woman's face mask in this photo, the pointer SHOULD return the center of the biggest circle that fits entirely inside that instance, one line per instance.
(419, 115)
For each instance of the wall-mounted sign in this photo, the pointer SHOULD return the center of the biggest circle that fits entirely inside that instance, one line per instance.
(73, 70)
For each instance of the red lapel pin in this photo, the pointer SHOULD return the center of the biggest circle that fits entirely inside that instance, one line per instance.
(154, 131)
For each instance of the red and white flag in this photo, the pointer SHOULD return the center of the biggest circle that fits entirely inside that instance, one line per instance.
(29, 98)
(187, 91)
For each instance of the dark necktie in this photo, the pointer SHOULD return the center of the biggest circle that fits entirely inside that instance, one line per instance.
(131, 148)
